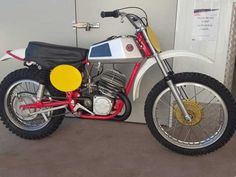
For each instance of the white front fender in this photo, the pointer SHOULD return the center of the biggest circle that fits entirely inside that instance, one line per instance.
(164, 55)
(18, 52)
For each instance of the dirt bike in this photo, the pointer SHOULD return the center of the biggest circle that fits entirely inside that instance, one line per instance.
(190, 113)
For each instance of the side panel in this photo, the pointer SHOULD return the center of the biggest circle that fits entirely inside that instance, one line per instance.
(178, 54)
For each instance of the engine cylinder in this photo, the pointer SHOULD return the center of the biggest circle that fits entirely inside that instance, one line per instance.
(111, 83)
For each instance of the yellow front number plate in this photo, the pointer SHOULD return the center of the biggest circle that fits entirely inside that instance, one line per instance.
(153, 38)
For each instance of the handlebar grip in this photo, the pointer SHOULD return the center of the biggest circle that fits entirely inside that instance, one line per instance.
(114, 14)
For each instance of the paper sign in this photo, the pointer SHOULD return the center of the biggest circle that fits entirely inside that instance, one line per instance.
(205, 24)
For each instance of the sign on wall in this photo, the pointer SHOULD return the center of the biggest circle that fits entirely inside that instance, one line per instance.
(205, 20)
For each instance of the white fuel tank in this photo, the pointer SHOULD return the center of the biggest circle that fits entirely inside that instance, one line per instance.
(118, 50)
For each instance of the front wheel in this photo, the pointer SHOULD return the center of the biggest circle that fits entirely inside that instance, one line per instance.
(207, 101)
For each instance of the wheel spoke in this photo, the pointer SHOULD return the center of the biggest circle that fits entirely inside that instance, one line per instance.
(197, 94)
(26, 86)
(209, 103)
(168, 104)
(35, 89)
(187, 134)
(22, 87)
(172, 129)
(203, 130)
(175, 126)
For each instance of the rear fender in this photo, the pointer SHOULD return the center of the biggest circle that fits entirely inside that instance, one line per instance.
(18, 54)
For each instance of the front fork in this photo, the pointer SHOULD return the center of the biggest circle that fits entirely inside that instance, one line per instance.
(172, 88)
(178, 100)
(164, 69)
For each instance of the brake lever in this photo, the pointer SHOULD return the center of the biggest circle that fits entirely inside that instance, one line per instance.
(123, 15)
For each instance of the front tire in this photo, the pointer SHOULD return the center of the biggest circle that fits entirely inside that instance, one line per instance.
(20, 87)
(213, 115)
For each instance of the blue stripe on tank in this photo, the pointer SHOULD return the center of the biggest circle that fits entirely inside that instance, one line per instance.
(101, 51)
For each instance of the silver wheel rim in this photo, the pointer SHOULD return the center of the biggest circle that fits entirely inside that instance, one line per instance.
(24, 92)
(191, 139)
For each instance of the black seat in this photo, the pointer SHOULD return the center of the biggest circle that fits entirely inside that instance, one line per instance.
(50, 55)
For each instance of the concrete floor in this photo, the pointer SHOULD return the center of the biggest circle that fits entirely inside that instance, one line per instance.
(85, 148)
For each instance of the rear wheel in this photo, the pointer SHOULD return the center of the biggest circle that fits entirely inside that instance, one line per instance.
(19, 88)
(208, 102)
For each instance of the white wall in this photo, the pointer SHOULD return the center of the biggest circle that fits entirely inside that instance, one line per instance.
(28, 20)
(216, 50)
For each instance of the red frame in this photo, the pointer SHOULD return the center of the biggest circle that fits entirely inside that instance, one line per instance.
(143, 46)
(72, 96)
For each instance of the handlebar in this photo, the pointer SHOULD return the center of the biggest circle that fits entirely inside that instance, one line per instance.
(135, 20)
(114, 14)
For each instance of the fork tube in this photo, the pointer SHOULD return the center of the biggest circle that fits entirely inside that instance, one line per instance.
(163, 67)
(178, 100)
(169, 82)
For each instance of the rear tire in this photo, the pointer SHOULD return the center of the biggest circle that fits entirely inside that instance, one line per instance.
(10, 118)
(164, 135)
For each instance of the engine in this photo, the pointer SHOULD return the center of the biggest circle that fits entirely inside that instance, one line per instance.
(110, 84)
(102, 105)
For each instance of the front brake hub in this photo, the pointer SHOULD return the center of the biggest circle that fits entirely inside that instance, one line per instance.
(194, 109)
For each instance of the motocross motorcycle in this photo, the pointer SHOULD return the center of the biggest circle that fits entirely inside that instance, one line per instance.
(190, 113)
